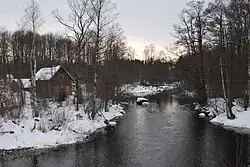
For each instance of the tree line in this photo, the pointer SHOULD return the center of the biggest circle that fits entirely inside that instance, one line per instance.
(93, 50)
(214, 40)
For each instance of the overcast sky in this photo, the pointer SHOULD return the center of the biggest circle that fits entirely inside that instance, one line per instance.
(143, 21)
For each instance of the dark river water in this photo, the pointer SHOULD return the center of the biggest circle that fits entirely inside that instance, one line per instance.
(166, 134)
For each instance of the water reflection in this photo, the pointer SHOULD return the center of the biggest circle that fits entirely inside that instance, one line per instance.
(237, 150)
(35, 161)
(167, 136)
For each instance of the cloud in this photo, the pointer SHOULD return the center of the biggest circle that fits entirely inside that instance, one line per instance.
(142, 24)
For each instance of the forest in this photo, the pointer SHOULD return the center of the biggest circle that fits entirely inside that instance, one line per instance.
(214, 41)
(93, 49)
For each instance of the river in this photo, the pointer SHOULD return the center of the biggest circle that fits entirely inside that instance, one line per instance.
(166, 134)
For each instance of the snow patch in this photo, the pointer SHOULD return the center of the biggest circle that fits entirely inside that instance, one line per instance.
(112, 123)
(25, 82)
(202, 115)
(140, 99)
(145, 104)
(217, 108)
(190, 93)
(142, 91)
(241, 120)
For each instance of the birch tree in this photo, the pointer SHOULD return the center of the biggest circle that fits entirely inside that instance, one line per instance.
(32, 21)
(102, 14)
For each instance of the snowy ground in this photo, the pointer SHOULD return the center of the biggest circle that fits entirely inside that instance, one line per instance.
(217, 107)
(241, 120)
(142, 91)
(71, 127)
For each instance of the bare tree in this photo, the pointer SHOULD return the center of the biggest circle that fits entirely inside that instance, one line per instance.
(102, 17)
(149, 53)
(162, 56)
(217, 25)
(78, 24)
(130, 53)
(32, 21)
(80, 19)
(114, 51)
(190, 33)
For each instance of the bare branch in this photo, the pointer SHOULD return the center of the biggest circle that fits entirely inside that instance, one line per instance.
(32, 19)
(79, 19)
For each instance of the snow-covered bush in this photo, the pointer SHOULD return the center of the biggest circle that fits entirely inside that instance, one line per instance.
(99, 106)
(58, 119)
(41, 132)
(44, 107)
(239, 102)
(217, 106)
(214, 107)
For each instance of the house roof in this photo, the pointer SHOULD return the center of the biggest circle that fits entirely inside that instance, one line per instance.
(48, 72)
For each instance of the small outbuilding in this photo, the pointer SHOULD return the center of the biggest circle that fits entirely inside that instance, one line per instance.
(51, 82)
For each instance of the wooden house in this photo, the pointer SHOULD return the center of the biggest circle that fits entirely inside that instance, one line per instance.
(51, 81)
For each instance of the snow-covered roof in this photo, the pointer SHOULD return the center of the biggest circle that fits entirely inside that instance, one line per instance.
(47, 73)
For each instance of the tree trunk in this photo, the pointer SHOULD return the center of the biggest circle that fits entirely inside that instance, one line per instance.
(230, 114)
(202, 90)
(223, 80)
(77, 93)
(33, 78)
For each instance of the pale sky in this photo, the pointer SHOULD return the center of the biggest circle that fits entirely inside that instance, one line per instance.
(143, 21)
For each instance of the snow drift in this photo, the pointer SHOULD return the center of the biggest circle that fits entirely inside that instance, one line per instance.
(60, 125)
(217, 107)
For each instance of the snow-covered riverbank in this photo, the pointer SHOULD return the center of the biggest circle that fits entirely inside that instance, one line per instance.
(217, 107)
(241, 120)
(142, 91)
(62, 126)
